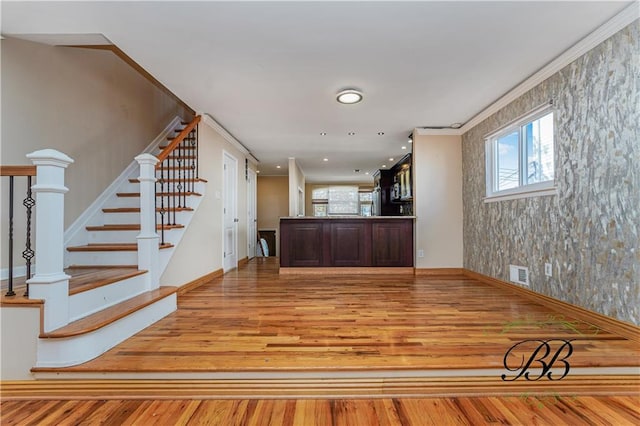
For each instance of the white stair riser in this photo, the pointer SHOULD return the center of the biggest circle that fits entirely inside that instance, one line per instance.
(112, 236)
(79, 349)
(102, 258)
(89, 302)
(121, 218)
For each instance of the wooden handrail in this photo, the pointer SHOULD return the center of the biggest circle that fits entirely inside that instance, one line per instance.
(17, 170)
(177, 140)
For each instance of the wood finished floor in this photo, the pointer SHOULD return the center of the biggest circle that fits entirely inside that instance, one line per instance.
(253, 319)
(522, 410)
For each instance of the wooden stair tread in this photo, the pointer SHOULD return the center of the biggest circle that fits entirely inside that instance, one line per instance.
(137, 209)
(109, 315)
(128, 227)
(82, 278)
(87, 278)
(135, 180)
(113, 247)
(158, 194)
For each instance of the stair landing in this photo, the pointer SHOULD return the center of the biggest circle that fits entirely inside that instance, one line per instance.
(83, 278)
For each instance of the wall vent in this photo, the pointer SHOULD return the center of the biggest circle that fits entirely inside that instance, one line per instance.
(519, 274)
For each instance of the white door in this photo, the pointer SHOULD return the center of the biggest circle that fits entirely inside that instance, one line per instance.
(252, 217)
(230, 208)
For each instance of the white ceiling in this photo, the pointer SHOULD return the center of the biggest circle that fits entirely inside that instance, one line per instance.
(269, 71)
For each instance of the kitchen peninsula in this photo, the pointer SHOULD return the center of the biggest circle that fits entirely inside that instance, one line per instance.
(354, 243)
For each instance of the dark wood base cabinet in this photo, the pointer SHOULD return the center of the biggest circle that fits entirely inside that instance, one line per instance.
(344, 242)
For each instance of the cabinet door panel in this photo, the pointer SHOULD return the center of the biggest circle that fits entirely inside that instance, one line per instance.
(304, 246)
(350, 244)
(392, 243)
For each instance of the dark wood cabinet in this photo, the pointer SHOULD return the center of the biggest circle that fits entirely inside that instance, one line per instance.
(393, 189)
(345, 242)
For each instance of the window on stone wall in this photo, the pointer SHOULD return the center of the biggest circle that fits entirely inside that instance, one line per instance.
(520, 158)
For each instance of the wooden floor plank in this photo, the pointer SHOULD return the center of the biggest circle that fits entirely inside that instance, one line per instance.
(256, 320)
(583, 410)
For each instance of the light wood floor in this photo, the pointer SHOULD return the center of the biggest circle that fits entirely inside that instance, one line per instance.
(432, 333)
(525, 410)
(256, 320)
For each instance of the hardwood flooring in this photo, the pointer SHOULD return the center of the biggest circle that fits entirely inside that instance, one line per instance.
(521, 410)
(392, 339)
(253, 319)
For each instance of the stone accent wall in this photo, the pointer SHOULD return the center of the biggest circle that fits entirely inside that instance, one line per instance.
(590, 230)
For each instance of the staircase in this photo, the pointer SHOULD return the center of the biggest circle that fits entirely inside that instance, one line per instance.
(109, 289)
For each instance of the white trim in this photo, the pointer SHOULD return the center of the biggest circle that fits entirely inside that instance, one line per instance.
(602, 33)
(522, 194)
(211, 122)
(83, 220)
(528, 116)
(18, 272)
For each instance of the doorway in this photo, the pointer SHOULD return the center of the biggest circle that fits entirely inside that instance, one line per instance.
(229, 213)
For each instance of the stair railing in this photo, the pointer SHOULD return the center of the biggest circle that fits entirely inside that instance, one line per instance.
(28, 202)
(177, 170)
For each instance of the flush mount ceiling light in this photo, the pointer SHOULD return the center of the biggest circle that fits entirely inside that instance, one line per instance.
(349, 96)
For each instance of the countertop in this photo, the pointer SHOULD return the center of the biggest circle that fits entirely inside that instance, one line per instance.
(347, 217)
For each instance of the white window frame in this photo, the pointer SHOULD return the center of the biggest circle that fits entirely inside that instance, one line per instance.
(522, 190)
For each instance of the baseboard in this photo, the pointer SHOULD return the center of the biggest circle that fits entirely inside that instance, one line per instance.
(243, 261)
(200, 281)
(439, 271)
(346, 271)
(83, 220)
(612, 325)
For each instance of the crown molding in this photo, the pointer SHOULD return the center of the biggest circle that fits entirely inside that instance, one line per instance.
(211, 122)
(602, 33)
(422, 131)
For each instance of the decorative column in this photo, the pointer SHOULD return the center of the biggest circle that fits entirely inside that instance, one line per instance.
(148, 239)
(50, 283)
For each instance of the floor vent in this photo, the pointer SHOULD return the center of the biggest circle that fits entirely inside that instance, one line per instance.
(519, 274)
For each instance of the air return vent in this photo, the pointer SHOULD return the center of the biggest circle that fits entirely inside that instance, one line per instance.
(519, 274)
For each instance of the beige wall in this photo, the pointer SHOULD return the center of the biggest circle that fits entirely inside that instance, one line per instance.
(438, 200)
(86, 103)
(200, 251)
(273, 203)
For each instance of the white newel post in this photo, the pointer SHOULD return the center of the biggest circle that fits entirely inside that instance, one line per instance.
(148, 240)
(50, 283)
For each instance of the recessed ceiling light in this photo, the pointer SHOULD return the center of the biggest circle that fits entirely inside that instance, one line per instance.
(384, 165)
(390, 159)
(380, 133)
(323, 133)
(404, 147)
(257, 171)
(349, 96)
(351, 133)
(366, 173)
(277, 167)
(325, 159)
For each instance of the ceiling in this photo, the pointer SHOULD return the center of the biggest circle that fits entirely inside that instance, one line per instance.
(268, 72)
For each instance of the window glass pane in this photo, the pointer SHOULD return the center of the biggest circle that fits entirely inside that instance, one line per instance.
(366, 196)
(343, 200)
(365, 209)
(321, 193)
(538, 139)
(507, 162)
(319, 209)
